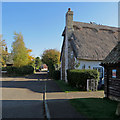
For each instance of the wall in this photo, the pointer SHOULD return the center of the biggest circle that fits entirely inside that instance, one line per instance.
(71, 57)
(63, 64)
(112, 85)
(89, 63)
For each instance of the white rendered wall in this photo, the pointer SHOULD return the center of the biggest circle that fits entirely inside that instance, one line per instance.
(89, 63)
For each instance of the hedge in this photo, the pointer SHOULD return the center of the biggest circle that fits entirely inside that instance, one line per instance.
(56, 75)
(78, 78)
(4, 68)
(19, 70)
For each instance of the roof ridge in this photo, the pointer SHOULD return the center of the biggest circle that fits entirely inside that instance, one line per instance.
(98, 25)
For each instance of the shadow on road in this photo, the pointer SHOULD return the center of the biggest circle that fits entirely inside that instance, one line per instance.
(35, 83)
(38, 75)
(34, 86)
(22, 109)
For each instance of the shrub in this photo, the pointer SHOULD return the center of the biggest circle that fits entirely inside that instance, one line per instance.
(11, 70)
(56, 75)
(4, 69)
(24, 70)
(78, 78)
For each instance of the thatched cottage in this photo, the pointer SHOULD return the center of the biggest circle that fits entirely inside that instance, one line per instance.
(112, 73)
(85, 45)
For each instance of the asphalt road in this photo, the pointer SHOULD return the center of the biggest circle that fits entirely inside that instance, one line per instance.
(23, 97)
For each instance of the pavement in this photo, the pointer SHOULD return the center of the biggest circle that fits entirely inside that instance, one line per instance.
(23, 97)
(62, 109)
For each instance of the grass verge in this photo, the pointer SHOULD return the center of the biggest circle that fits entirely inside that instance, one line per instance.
(65, 86)
(96, 108)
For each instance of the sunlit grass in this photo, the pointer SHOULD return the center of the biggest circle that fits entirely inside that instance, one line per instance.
(96, 107)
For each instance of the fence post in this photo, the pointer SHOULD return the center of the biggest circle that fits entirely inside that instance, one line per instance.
(88, 84)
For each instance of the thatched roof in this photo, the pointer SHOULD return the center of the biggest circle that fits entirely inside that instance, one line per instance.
(114, 56)
(91, 41)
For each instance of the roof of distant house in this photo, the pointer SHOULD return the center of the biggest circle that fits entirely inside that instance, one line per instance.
(10, 59)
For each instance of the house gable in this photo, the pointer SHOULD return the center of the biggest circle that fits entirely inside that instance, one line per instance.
(86, 41)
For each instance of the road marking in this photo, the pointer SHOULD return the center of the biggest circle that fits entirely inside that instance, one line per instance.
(45, 103)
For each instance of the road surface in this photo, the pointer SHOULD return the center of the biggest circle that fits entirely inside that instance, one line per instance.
(23, 97)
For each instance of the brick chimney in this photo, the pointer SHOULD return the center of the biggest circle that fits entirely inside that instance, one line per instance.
(69, 20)
(68, 32)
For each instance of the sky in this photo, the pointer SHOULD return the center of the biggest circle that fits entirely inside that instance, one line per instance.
(42, 23)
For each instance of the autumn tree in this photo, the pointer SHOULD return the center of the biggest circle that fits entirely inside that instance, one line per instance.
(19, 51)
(51, 58)
(30, 57)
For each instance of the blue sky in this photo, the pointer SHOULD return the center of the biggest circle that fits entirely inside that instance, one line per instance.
(42, 23)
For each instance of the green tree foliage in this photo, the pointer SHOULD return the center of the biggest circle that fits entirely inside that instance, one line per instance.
(3, 51)
(19, 51)
(51, 58)
(38, 62)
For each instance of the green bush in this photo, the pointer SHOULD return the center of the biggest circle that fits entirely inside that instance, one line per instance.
(20, 70)
(56, 75)
(78, 78)
(3, 68)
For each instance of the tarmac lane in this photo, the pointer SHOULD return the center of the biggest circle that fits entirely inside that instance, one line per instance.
(22, 109)
(37, 97)
(22, 97)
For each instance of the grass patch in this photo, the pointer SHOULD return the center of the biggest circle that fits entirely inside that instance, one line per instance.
(65, 86)
(96, 108)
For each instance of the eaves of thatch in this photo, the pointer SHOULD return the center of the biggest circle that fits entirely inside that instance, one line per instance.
(114, 56)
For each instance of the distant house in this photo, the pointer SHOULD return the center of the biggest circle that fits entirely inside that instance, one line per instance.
(112, 73)
(9, 61)
(44, 67)
(85, 45)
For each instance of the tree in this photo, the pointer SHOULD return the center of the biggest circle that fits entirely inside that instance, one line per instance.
(51, 58)
(30, 58)
(3, 51)
(19, 51)
(38, 62)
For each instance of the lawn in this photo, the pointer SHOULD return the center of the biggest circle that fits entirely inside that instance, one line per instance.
(96, 108)
(65, 87)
